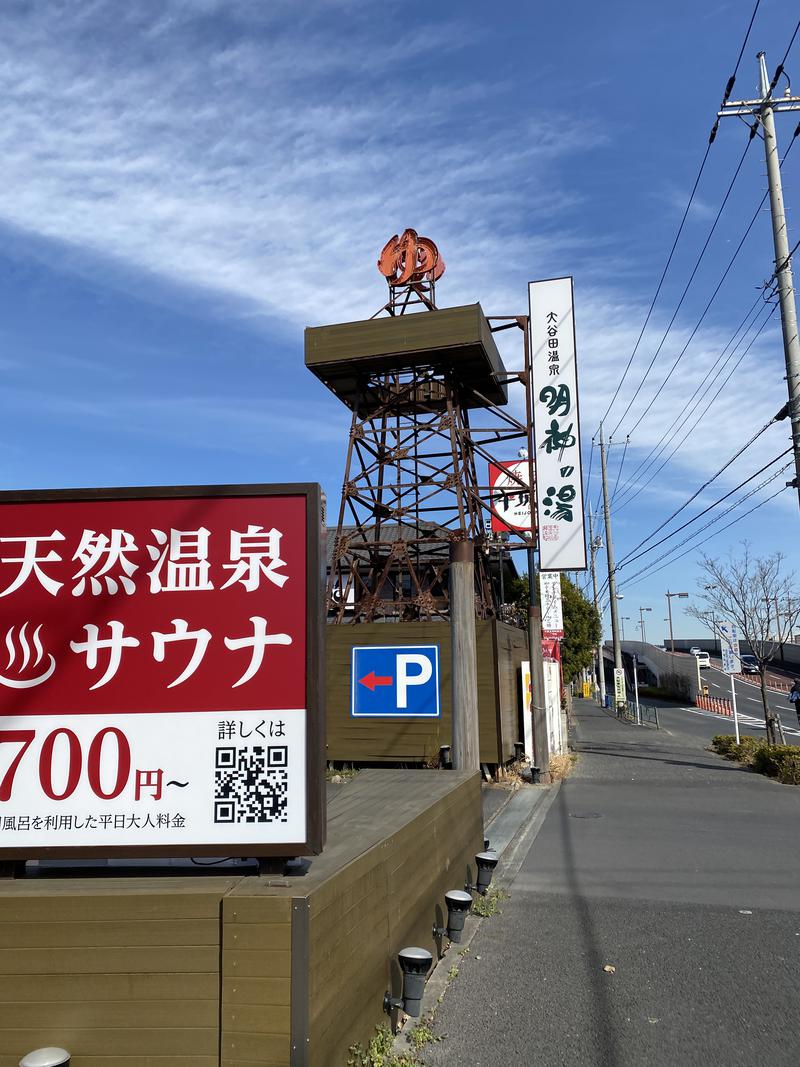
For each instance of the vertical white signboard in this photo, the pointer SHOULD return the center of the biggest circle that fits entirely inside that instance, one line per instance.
(729, 644)
(550, 599)
(619, 685)
(731, 663)
(556, 427)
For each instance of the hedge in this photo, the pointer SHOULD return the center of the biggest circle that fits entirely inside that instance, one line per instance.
(775, 761)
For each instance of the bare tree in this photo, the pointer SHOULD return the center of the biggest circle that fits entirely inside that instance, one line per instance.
(763, 603)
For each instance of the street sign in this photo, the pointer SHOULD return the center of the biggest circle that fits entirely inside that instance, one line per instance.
(619, 685)
(510, 500)
(161, 689)
(550, 595)
(556, 426)
(395, 681)
(729, 643)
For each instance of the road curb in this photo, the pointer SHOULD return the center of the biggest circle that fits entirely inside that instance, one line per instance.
(512, 857)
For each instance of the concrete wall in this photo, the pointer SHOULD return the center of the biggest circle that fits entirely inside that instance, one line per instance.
(676, 672)
(789, 657)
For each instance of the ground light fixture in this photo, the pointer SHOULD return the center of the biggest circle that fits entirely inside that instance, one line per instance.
(46, 1057)
(458, 903)
(415, 964)
(445, 759)
(486, 863)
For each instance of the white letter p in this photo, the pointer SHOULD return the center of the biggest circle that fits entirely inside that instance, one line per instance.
(404, 680)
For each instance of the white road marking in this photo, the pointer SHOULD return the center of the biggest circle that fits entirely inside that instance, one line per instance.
(744, 720)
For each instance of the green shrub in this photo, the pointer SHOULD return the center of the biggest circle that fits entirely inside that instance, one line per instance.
(745, 751)
(723, 743)
(778, 761)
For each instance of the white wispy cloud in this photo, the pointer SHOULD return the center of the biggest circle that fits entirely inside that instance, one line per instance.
(261, 154)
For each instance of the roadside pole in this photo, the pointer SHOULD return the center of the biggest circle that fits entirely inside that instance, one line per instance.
(601, 674)
(731, 663)
(541, 740)
(735, 712)
(612, 578)
(636, 689)
(763, 110)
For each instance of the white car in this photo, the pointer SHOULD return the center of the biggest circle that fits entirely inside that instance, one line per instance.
(695, 651)
(702, 659)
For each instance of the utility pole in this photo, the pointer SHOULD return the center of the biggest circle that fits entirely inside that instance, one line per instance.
(594, 546)
(612, 578)
(764, 110)
(641, 623)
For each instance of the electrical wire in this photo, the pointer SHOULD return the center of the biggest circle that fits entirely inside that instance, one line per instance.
(629, 484)
(619, 472)
(649, 570)
(631, 558)
(683, 295)
(628, 495)
(660, 282)
(705, 485)
(712, 135)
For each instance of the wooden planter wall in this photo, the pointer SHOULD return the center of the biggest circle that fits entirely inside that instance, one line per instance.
(500, 650)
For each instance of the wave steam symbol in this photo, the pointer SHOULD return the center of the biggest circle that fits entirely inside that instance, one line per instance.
(25, 652)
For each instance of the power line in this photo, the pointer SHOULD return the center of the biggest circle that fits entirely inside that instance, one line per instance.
(650, 569)
(621, 464)
(711, 300)
(631, 492)
(660, 282)
(669, 434)
(750, 225)
(712, 135)
(703, 487)
(683, 294)
(700, 514)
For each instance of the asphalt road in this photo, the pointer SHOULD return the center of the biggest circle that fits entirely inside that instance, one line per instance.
(748, 699)
(667, 864)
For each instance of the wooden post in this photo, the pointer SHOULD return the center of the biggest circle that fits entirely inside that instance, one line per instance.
(463, 662)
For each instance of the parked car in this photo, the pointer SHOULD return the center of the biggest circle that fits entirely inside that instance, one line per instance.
(749, 664)
(702, 659)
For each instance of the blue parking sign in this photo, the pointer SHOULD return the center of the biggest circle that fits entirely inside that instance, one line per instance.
(395, 680)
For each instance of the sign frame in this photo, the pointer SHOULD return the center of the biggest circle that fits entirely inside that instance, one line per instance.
(395, 714)
(510, 470)
(553, 557)
(551, 602)
(316, 820)
(729, 647)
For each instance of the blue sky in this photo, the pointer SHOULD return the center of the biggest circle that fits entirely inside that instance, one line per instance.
(188, 183)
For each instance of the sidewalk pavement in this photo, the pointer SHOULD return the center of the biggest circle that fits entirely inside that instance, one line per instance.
(673, 867)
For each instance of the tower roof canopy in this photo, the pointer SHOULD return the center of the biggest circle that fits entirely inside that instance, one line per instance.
(456, 341)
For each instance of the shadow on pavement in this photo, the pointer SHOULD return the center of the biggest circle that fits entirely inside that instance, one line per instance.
(596, 978)
(614, 750)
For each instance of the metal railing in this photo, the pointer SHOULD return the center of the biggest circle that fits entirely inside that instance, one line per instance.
(647, 714)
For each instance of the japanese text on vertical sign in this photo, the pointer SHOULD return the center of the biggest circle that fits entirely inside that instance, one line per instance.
(556, 426)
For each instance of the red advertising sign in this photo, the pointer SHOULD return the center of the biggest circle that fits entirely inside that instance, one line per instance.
(159, 672)
(510, 496)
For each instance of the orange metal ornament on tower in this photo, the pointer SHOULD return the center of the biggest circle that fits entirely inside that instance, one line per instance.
(410, 259)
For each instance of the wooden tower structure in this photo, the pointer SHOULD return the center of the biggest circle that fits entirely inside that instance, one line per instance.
(428, 392)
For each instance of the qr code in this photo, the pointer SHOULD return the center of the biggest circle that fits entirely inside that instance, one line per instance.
(251, 784)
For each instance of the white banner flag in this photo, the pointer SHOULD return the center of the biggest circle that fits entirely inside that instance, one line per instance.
(556, 428)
